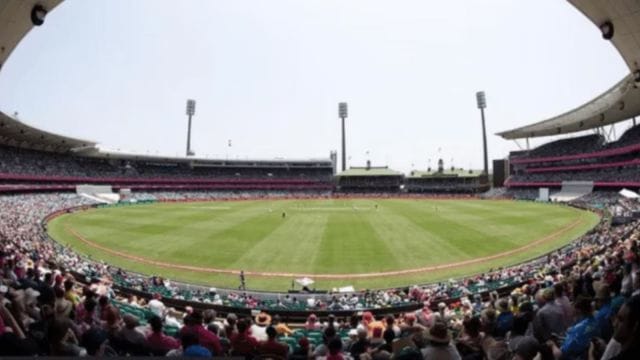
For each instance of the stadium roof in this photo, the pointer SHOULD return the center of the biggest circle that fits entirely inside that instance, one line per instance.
(18, 134)
(622, 101)
(15, 23)
(15, 17)
(445, 173)
(619, 103)
(98, 152)
(370, 171)
(624, 15)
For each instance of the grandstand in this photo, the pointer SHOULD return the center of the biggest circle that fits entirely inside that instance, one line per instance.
(587, 158)
(57, 302)
(369, 179)
(442, 180)
(23, 169)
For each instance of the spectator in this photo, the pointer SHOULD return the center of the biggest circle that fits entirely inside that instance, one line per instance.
(550, 318)
(604, 311)
(303, 352)
(193, 324)
(440, 346)
(156, 306)
(576, 344)
(469, 344)
(312, 323)
(335, 350)
(624, 344)
(191, 346)
(504, 321)
(259, 328)
(62, 341)
(271, 346)
(158, 342)
(242, 343)
(361, 345)
(129, 339)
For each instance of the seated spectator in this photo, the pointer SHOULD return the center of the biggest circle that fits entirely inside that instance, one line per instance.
(230, 325)
(361, 345)
(410, 325)
(271, 346)
(62, 341)
(156, 306)
(303, 352)
(312, 323)
(211, 341)
(259, 328)
(376, 337)
(335, 350)
(440, 346)
(389, 335)
(63, 306)
(327, 335)
(70, 294)
(242, 343)
(281, 327)
(96, 341)
(469, 344)
(129, 338)
(211, 323)
(504, 321)
(157, 341)
(518, 341)
(191, 346)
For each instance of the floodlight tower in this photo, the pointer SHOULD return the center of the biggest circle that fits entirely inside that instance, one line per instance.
(482, 104)
(342, 113)
(191, 110)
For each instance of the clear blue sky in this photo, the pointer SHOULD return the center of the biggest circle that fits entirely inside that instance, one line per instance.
(268, 75)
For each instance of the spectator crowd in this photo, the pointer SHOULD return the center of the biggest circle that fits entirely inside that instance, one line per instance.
(580, 302)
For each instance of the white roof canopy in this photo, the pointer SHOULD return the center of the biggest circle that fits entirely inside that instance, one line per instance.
(619, 103)
(622, 101)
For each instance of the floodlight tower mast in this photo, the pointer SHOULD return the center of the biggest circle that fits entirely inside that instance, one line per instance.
(342, 113)
(191, 110)
(482, 104)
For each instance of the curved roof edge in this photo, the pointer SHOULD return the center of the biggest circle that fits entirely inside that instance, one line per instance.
(624, 16)
(15, 17)
(619, 103)
(18, 134)
(103, 153)
(619, 22)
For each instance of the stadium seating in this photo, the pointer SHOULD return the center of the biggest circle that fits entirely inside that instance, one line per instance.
(22, 237)
(609, 166)
(24, 171)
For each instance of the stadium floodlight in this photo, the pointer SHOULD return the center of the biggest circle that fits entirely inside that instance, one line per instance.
(607, 30)
(191, 110)
(342, 110)
(38, 13)
(481, 100)
(482, 104)
(191, 107)
(342, 113)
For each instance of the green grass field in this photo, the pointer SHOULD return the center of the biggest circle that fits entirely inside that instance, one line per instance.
(354, 236)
